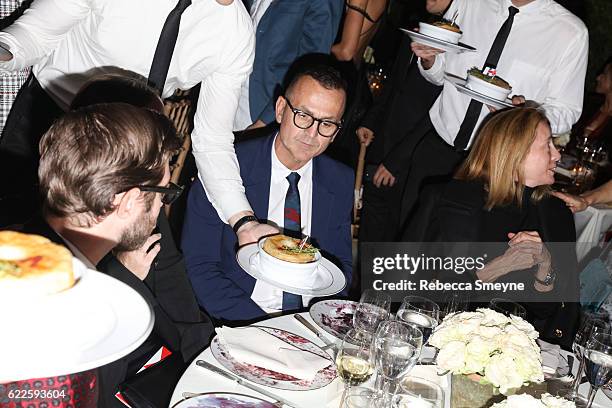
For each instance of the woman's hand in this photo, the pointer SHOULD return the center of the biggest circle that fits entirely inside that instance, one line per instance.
(521, 256)
(574, 203)
(139, 260)
(383, 177)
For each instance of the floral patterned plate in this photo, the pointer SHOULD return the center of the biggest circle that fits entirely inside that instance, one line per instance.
(263, 376)
(223, 400)
(334, 316)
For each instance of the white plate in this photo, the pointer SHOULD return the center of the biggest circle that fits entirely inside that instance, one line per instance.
(269, 378)
(436, 43)
(223, 400)
(97, 321)
(330, 279)
(335, 316)
(459, 83)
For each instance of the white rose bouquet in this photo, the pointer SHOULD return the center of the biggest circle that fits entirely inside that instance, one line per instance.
(501, 350)
(527, 401)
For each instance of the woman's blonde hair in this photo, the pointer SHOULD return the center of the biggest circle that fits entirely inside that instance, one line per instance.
(496, 158)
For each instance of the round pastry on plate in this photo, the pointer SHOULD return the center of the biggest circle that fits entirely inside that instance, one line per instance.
(282, 260)
(490, 85)
(31, 265)
(442, 30)
(288, 249)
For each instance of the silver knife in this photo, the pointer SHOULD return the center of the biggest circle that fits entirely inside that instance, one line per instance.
(230, 376)
(313, 329)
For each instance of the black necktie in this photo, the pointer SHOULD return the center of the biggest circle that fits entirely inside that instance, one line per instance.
(473, 111)
(292, 227)
(165, 46)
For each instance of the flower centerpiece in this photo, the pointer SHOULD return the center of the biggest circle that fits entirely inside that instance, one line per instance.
(489, 353)
(528, 401)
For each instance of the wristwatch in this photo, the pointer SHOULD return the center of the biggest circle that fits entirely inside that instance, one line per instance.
(242, 221)
(550, 278)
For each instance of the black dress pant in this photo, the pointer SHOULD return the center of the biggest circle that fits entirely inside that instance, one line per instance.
(31, 115)
(433, 161)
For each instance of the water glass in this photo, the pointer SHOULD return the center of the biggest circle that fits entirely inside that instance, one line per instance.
(418, 392)
(373, 308)
(508, 307)
(421, 313)
(598, 357)
(396, 349)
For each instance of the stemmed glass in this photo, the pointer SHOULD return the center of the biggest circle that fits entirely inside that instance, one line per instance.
(421, 313)
(373, 308)
(397, 347)
(454, 301)
(507, 307)
(590, 326)
(418, 392)
(598, 356)
(354, 359)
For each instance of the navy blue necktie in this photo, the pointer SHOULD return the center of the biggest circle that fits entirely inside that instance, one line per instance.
(473, 111)
(292, 227)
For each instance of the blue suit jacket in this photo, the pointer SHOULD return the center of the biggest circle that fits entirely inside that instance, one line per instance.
(287, 30)
(222, 288)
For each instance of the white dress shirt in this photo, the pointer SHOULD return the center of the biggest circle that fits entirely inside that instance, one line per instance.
(268, 297)
(69, 41)
(243, 114)
(544, 59)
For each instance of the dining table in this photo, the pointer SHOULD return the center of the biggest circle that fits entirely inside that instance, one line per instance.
(198, 380)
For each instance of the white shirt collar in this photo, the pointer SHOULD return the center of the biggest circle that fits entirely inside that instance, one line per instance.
(533, 7)
(77, 253)
(279, 169)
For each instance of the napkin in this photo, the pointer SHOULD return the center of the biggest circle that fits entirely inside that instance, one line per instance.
(550, 356)
(254, 346)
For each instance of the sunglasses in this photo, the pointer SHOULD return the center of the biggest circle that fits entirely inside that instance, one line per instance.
(170, 193)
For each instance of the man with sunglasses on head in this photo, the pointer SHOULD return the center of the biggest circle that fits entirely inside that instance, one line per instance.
(279, 170)
(102, 197)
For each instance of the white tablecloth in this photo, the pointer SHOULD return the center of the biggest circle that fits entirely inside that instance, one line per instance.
(591, 225)
(199, 380)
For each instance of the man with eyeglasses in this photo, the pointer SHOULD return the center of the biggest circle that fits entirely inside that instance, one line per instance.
(291, 185)
(101, 197)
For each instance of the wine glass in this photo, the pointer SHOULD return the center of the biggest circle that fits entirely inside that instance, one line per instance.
(397, 347)
(589, 327)
(508, 307)
(454, 301)
(421, 313)
(360, 397)
(354, 359)
(598, 357)
(418, 392)
(372, 309)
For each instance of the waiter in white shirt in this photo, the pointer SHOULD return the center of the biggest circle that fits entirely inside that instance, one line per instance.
(69, 41)
(538, 46)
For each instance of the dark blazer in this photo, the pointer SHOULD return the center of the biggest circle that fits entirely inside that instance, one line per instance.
(179, 324)
(453, 212)
(209, 245)
(287, 30)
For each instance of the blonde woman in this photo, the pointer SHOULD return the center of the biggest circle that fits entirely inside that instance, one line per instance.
(501, 193)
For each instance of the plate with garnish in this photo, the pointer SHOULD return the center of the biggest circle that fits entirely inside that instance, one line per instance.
(491, 90)
(289, 264)
(443, 35)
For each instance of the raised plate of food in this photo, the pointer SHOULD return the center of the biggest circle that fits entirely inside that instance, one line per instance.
(443, 35)
(279, 261)
(489, 89)
(61, 317)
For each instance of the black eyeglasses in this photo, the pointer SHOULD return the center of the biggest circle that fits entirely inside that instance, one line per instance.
(170, 193)
(303, 120)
